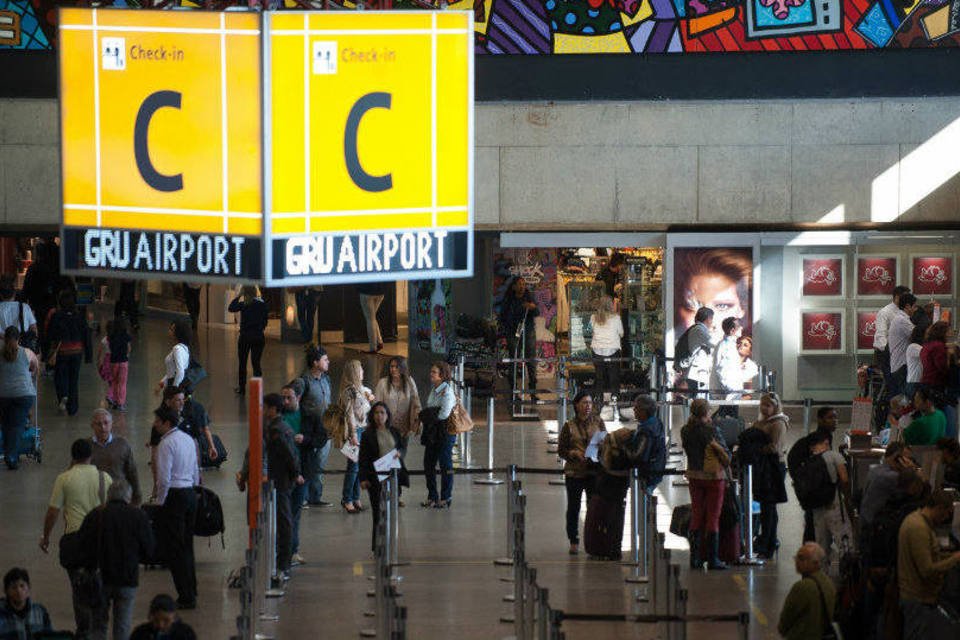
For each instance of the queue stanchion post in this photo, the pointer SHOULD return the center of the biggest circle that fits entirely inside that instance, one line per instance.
(490, 479)
(562, 387)
(662, 576)
(395, 526)
(681, 611)
(638, 508)
(763, 378)
(807, 410)
(673, 601)
(513, 500)
(746, 498)
(743, 626)
(275, 589)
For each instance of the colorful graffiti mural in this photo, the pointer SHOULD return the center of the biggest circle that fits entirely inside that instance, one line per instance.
(631, 26)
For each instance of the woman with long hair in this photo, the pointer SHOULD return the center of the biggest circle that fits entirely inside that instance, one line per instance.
(355, 401)
(605, 343)
(398, 390)
(253, 322)
(707, 458)
(377, 441)
(18, 392)
(177, 360)
(936, 361)
(773, 423)
(437, 442)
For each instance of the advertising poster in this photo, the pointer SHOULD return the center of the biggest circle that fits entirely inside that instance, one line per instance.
(932, 276)
(823, 276)
(428, 314)
(866, 329)
(876, 275)
(821, 331)
(717, 277)
(538, 268)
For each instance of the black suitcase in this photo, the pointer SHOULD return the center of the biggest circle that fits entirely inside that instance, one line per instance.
(156, 560)
(603, 528)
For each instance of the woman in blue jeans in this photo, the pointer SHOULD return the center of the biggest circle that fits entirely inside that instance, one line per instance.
(18, 392)
(355, 401)
(438, 444)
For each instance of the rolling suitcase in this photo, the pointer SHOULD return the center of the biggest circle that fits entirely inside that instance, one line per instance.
(156, 560)
(603, 528)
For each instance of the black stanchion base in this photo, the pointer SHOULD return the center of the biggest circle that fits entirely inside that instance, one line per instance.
(488, 481)
(503, 562)
(750, 562)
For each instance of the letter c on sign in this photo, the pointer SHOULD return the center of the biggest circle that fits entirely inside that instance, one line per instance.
(361, 178)
(154, 102)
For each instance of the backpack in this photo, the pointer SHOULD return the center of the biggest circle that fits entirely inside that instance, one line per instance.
(813, 485)
(681, 354)
(335, 424)
(209, 521)
(799, 453)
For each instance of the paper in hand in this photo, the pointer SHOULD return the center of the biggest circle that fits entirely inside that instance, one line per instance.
(351, 451)
(385, 463)
(593, 449)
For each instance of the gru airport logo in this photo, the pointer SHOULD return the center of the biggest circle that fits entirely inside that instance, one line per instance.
(293, 148)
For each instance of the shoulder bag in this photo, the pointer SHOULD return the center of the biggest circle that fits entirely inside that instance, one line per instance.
(831, 630)
(459, 421)
(28, 339)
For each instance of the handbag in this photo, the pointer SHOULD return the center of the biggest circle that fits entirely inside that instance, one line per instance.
(831, 630)
(680, 520)
(28, 339)
(88, 580)
(459, 421)
(195, 373)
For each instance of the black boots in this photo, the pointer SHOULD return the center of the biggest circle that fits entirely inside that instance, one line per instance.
(695, 561)
(713, 551)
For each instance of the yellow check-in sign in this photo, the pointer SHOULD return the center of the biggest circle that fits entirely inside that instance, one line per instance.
(160, 142)
(268, 147)
(370, 150)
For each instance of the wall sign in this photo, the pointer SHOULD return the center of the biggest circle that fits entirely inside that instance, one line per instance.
(866, 330)
(822, 332)
(876, 275)
(932, 275)
(359, 167)
(823, 275)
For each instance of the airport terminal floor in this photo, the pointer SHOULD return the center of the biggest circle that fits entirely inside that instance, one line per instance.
(450, 586)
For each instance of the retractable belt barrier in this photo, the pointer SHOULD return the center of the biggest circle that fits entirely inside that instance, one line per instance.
(391, 618)
(258, 579)
(534, 619)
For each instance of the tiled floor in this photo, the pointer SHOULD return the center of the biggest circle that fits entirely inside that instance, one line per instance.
(451, 588)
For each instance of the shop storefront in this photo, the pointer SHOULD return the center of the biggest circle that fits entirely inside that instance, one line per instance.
(807, 300)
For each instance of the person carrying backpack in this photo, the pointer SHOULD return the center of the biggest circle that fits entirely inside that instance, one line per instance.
(692, 357)
(819, 483)
(799, 453)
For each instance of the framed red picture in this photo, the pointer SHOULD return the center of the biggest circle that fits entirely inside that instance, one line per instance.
(822, 332)
(876, 275)
(823, 275)
(931, 275)
(866, 329)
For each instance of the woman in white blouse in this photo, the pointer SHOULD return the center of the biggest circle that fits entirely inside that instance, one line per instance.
(176, 362)
(355, 401)
(438, 444)
(399, 392)
(607, 334)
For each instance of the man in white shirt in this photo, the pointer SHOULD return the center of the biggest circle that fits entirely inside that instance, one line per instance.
(177, 474)
(884, 317)
(898, 339)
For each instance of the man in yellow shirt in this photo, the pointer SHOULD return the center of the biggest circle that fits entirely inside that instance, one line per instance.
(76, 492)
(921, 566)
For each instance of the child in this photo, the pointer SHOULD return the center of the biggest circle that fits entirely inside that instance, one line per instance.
(103, 364)
(120, 347)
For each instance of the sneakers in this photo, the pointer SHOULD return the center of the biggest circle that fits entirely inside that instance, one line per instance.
(62, 407)
(296, 560)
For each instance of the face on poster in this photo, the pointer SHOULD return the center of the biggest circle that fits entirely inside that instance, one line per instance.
(720, 278)
(821, 331)
(823, 276)
(866, 329)
(876, 276)
(932, 276)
